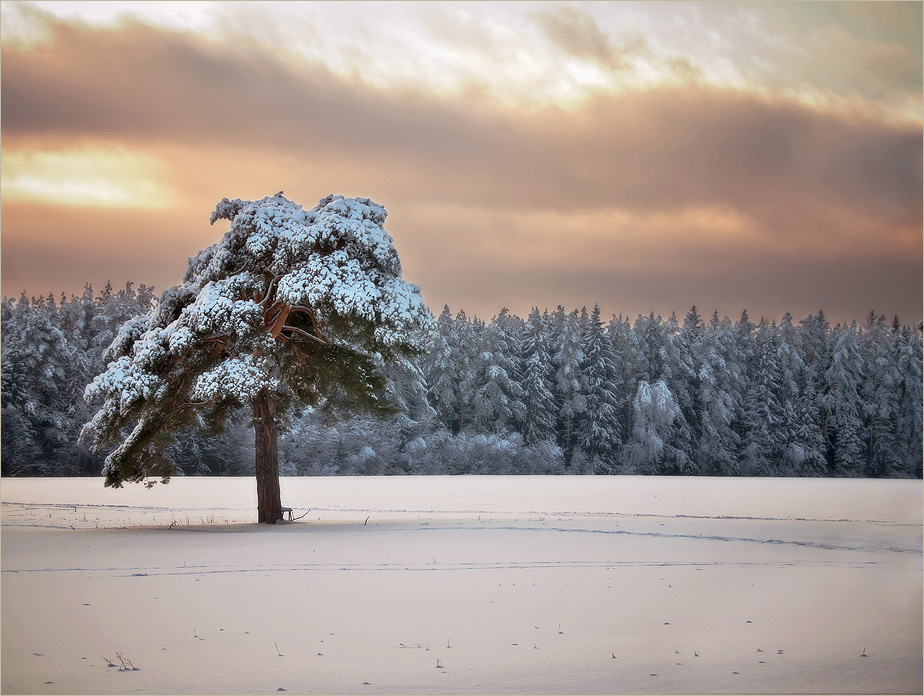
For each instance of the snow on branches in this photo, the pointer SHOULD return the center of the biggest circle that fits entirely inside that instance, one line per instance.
(292, 301)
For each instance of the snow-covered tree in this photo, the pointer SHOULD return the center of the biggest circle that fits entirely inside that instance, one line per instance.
(442, 369)
(651, 448)
(41, 373)
(539, 424)
(647, 354)
(799, 432)
(600, 430)
(618, 332)
(34, 355)
(681, 375)
(468, 364)
(721, 381)
(880, 392)
(566, 332)
(291, 306)
(763, 414)
(497, 406)
(844, 404)
(407, 384)
(909, 426)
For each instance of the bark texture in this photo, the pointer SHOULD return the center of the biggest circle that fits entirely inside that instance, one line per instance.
(269, 501)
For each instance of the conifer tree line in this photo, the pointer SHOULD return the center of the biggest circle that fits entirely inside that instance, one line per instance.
(557, 392)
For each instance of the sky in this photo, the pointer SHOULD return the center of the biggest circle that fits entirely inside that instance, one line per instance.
(645, 156)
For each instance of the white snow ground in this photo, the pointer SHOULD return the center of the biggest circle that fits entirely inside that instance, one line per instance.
(512, 585)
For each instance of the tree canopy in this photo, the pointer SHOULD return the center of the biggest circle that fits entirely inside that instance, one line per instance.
(291, 305)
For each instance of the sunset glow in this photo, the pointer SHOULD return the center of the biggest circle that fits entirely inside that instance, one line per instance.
(85, 178)
(645, 156)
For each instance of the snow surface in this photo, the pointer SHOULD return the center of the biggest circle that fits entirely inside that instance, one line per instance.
(515, 585)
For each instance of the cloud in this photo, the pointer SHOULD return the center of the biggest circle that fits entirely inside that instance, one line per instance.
(630, 64)
(48, 248)
(634, 263)
(94, 177)
(640, 200)
(668, 148)
(576, 33)
(876, 70)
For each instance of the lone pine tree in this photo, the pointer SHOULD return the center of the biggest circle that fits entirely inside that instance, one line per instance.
(290, 306)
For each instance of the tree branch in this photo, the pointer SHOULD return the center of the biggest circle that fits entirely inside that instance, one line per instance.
(310, 313)
(269, 289)
(279, 320)
(286, 327)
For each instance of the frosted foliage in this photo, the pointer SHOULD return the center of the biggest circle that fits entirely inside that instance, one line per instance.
(153, 349)
(279, 226)
(130, 332)
(402, 308)
(237, 378)
(655, 412)
(214, 311)
(125, 381)
(341, 281)
(281, 282)
(654, 405)
(131, 378)
(335, 257)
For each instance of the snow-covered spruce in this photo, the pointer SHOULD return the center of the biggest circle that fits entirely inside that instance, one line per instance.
(292, 305)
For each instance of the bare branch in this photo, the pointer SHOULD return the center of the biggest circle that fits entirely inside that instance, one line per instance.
(304, 333)
(310, 313)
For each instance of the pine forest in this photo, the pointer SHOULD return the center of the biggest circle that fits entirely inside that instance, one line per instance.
(559, 392)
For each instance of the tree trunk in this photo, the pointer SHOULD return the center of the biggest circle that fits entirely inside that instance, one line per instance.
(269, 501)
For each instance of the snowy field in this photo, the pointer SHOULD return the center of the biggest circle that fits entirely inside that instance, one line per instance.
(471, 585)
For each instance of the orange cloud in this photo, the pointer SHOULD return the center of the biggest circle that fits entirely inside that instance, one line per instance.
(641, 201)
(83, 177)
